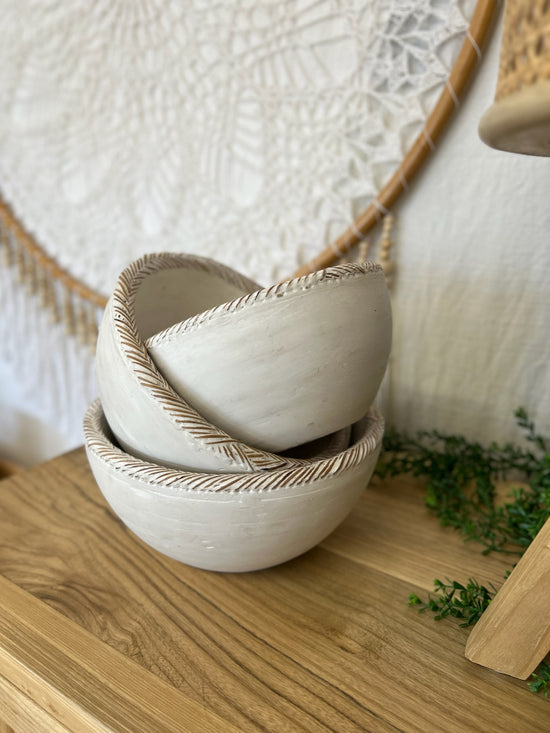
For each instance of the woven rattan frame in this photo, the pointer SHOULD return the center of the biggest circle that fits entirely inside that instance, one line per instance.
(525, 50)
(518, 120)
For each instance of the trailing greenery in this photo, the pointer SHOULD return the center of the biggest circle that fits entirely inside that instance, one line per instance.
(466, 602)
(460, 483)
(460, 478)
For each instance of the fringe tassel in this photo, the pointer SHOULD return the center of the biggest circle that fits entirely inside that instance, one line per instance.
(79, 316)
(54, 373)
(363, 250)
(6, 246)
(19, 254)
(384, 257)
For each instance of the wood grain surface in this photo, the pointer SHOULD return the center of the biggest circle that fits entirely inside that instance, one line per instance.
(513, 635)
(82, 684)
(324, 642)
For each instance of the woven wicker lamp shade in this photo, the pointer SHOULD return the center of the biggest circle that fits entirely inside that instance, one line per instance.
(519, 119)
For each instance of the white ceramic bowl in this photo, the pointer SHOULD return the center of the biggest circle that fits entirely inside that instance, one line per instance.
(287, 364)
(232, 522)
(148, 418)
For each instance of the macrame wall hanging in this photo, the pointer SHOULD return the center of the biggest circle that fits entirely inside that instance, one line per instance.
(252, 136)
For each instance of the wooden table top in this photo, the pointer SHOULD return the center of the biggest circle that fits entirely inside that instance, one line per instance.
(100, 632)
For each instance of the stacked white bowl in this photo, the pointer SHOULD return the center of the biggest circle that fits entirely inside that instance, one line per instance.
(235, 427)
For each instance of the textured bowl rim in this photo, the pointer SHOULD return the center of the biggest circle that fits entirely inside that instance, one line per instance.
(134, 352)
(153, 476)
(288, 288)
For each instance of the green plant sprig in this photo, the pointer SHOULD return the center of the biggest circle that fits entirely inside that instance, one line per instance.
(460, 489)
(541, 679)
(460, 483)
(465, 602)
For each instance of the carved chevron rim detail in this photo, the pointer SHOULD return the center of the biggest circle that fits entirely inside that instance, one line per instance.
(99, 443)
(280, 290)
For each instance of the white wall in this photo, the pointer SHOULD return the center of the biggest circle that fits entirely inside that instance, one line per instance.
(471, 299)
(24, 438)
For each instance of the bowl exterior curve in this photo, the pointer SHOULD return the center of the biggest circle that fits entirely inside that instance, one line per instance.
(233, 532)
(285, 370)
(232, 522)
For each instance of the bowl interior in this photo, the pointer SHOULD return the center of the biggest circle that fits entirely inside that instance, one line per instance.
(169, 296)
(278, 295)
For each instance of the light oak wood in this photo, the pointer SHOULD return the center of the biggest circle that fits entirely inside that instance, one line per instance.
(8, 468)
(513, 635)
(83, 685)
(25, 715)
(324, 642)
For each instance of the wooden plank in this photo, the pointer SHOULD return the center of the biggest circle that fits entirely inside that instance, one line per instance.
(24, 715)
(391, 530)
(325, 642)
(82, 683)
(513, 635)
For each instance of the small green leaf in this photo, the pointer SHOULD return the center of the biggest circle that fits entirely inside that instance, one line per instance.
(541, 677)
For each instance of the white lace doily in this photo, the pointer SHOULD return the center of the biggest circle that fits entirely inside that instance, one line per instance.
(251, 132)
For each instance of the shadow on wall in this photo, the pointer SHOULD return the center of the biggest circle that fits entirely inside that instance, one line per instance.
(481, 351)
(25, 440)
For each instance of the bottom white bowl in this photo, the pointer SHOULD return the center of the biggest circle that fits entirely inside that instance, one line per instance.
(232, 522)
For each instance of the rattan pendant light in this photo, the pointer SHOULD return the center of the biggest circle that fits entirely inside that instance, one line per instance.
(519, 119)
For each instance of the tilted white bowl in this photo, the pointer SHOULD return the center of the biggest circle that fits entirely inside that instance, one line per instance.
(232, 522)
(287, 364)
(147, 416)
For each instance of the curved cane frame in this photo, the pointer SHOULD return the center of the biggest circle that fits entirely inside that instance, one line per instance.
(448, 101)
